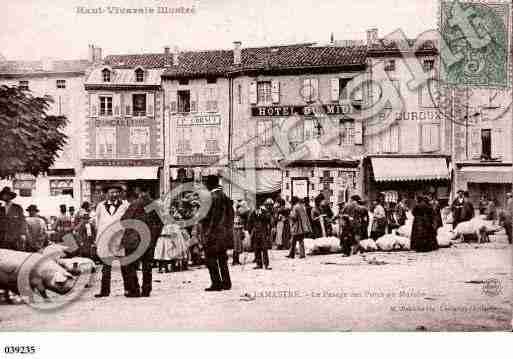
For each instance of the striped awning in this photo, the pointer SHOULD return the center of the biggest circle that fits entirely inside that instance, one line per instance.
(388, 169)
(488, 174)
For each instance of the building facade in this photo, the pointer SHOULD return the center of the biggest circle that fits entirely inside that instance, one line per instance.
(63, 80)
(197, 98)
(123, 125)
(293, 115)
(482, 143)
(407, 140)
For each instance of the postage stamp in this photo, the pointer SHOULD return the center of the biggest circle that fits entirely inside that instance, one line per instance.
(475, 44)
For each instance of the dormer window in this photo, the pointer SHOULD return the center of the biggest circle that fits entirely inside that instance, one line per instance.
(139, 75)
(106, 75)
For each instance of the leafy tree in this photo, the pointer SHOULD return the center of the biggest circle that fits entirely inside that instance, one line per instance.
(29, 138)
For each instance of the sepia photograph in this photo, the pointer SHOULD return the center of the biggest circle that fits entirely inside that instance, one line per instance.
(255, 166)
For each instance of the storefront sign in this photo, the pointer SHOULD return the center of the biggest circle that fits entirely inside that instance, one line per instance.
(419, 116)
(314, 110)
(122, 122)
(199, 120)
(197, 159)
(124, 162)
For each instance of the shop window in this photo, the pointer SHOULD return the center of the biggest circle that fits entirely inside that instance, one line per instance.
(264, 95)
(184, 101)
(61, 84)
(139, 75)
(265, 132)
(105, 105)
(139, 104)
(23, 85)
(61, 186)
(106, 75)
(183, 82)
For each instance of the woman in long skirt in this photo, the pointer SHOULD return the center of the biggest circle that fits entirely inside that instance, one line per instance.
(423, 235)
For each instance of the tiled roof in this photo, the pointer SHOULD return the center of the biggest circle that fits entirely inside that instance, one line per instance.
(33, 67)
(124, 77)
(131, 61)
(383, 45)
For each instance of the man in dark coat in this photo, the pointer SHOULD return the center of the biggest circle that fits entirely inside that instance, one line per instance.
(457, 208)
(217, 228)
(13, 227)
(131, 240)
(259, 226)
(357, 217)
(468, 211)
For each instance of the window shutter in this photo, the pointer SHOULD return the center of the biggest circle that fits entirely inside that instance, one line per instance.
(358, 133)
(335, 89)
(128, 104)
(475, 142)
(150, 104)
(253, 92)
(435, 137)
(385, 147)
(93, 105)
(315, 89)
(173, 103)
(430, 137)
(194, 102)
(394, 139)
(497, 143)
(275, 91)
(116, 99)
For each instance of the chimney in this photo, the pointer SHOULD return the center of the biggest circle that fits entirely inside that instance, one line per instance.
(332, 39)
(90, 53)
(97, 54)
(237, 52)
(166, 50)
(176, 53)
(372, 37)
(47, 63)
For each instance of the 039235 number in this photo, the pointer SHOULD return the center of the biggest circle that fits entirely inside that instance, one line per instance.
(20, 349)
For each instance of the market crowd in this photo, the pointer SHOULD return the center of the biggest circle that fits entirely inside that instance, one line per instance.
(236, 225)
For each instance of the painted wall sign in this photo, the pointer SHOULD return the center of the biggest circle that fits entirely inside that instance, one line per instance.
(199, 120)
(196, 159)
(124, 162)
(329, 109)
(123, 122)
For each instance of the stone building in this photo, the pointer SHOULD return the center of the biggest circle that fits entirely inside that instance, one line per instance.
(407, 139)
(63, 80)
(123, 124)
(289, 99)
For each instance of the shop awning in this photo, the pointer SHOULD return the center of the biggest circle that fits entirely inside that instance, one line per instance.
(118, 173)
(409, 169)
(488, 174)
(261, 181)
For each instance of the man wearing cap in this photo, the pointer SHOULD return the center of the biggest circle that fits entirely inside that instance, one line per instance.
(217, 227)
(36, 230)
(138, 210)
(13, 227)
(109, 212)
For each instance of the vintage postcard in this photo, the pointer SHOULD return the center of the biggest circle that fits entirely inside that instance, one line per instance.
(187, 165)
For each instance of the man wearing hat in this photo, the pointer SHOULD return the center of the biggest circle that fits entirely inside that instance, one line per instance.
(138, 210)
(13, 227)
(457, 208)
(107, 213)
(217, 229)
(353, 211)
(36, 230)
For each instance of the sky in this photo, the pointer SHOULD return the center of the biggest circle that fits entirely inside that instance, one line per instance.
(34, 29)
